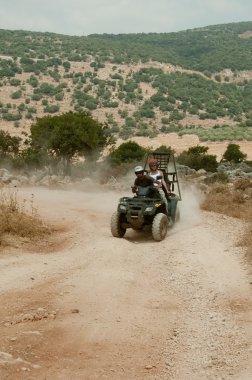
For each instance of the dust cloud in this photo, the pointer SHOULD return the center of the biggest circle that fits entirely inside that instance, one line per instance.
(189, 207)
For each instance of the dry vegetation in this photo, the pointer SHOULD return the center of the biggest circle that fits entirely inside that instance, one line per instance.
(234, 200)
(19, 219)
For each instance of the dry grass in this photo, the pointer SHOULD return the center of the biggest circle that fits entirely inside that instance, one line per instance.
(234, 200)
(19, 219)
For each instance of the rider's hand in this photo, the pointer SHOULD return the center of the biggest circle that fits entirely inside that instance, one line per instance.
(133, 189)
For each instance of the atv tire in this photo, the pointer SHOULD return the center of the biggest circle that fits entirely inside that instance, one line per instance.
(160, 226)
(116, 226)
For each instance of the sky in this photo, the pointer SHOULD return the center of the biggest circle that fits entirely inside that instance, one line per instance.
(84, 17)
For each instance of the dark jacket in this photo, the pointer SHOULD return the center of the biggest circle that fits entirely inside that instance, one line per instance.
(144, 181)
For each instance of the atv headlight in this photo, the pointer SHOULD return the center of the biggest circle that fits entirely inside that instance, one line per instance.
(148, 209)
(122, 208)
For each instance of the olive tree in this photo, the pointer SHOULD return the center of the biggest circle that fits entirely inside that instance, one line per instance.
(68, 135)
(233, 153)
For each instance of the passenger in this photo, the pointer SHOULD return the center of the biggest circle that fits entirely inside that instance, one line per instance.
(142, 179)
(158, 177)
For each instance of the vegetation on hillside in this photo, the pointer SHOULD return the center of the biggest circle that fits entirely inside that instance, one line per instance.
(197, 158)
(210, 48)
(50, 74)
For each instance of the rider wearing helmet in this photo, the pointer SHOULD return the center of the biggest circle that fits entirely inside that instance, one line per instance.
(142, 179)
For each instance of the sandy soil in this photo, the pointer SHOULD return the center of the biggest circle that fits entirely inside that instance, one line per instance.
(95, 307)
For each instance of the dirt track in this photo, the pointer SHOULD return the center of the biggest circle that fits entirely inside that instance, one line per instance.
(95, 307)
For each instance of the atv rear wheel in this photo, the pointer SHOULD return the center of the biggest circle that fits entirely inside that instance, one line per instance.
(160, 226)
(116, 225)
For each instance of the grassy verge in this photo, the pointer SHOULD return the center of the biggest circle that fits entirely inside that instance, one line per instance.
(19, 219)
(235, 201)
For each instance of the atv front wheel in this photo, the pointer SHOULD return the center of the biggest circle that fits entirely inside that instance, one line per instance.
(160, 226)
(116, 225)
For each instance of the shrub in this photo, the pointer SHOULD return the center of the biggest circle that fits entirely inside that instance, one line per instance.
(15, 82)
(21, 107)
(220, 177)
(127, 152)
(16, 220)
(165, 120)
(12, 116)
(59, 96)
(196, 158)
(243, 184)
(51, 109)
(164, 149)
(37, 97)
(16, 95)
(233, 153)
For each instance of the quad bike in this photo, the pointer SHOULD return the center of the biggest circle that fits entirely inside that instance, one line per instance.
(147, 209)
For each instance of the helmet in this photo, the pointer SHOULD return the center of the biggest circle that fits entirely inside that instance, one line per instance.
(153, 161)
(139, 169)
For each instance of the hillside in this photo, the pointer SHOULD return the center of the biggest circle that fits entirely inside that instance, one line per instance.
(193, 82)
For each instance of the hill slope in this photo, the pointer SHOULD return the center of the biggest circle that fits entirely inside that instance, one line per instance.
(140, 84)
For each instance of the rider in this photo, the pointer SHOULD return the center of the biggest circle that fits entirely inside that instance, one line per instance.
(158, 177)
(142, 179)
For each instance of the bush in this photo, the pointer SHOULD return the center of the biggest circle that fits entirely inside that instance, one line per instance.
(196, 158)
(51, 109)
(234, 154)
(12, 116)
(243, 184)
(16, 95)
(15, 220)
(15, 82)
(127, 152)
(9, 145)
(164, 149)
(59, 96)
(220, 177)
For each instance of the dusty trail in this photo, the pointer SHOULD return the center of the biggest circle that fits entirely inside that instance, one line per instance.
(104, 308)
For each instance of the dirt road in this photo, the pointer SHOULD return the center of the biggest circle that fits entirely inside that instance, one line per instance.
(91, 306)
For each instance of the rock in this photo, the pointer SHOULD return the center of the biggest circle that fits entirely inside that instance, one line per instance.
(248, 175)
(45, 181)
(148, 367)
(75, 311)
(202, 171)
(25, 369)
(33, 179)
(6, 179)
(36, 366)
(15, 183)
(183, 169)
(4, 172)
(23, 179)
(32, 332)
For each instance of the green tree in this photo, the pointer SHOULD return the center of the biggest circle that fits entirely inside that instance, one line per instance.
(69, 134)
(127, 152)
(9, 145)
(233, 153)
(197, 158)
(164, 149)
